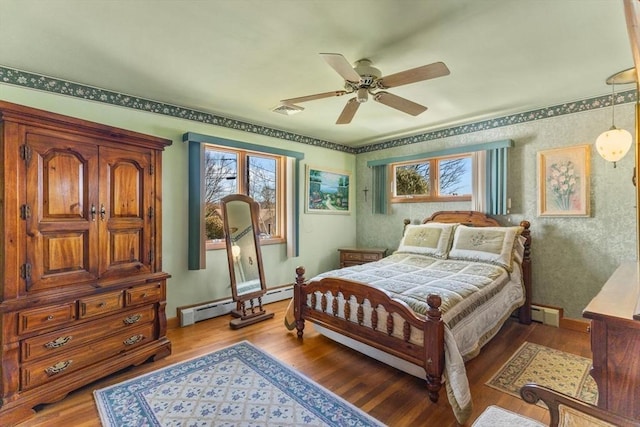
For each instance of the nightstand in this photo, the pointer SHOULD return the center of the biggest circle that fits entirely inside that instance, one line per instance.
(357, 256)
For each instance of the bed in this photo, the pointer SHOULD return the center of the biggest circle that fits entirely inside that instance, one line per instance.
(432, 304)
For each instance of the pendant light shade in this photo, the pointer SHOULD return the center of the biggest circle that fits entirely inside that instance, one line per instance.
(613, 144)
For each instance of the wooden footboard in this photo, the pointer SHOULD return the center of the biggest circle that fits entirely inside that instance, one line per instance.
(369, 315)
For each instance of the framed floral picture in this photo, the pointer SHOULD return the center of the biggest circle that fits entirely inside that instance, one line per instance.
(327, 191)
(563, 186)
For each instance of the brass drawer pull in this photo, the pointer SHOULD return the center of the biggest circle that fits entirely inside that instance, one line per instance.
(58, 367)
(50, 317)
(134, 339)
(130, 320)
(144, 295)
(102, 304)
(58, 342)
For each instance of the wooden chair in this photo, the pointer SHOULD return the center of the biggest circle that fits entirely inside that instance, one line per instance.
(567, 411)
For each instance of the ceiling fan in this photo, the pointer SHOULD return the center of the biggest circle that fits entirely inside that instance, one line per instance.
(365, 80)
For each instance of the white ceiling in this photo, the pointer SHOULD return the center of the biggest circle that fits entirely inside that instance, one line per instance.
(237, 59)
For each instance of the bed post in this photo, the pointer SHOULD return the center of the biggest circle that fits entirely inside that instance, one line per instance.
(434, 346)
(525, 311)
(298, 299)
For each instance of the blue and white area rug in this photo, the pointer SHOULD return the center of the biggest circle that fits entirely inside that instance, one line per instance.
(236, 386)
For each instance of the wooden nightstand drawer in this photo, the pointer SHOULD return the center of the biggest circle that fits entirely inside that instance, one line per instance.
(369, 257)
(357, 256)
(353, 256)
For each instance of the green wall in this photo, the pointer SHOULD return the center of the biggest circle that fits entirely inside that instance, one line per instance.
(320, 235)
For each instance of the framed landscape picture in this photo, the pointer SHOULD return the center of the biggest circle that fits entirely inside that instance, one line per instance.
(327, 191)
(563, 186)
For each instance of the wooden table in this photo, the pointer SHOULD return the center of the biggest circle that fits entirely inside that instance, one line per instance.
(615, 341)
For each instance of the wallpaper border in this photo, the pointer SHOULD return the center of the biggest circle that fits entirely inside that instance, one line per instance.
(50, 84)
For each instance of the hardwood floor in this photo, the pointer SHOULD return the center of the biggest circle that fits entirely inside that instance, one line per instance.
(391, 396)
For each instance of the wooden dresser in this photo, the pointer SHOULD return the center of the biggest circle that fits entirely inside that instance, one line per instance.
(615, 342)
(357, 256)
(82, 292)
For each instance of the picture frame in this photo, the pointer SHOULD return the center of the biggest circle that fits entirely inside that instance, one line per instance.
(327, 191)
(563, 181)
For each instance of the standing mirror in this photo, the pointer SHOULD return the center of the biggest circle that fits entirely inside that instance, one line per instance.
(240, 215)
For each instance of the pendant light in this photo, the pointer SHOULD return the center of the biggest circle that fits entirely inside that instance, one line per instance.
(614, 144)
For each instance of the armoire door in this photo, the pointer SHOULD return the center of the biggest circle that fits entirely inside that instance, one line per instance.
(126, 212)
(60, 212)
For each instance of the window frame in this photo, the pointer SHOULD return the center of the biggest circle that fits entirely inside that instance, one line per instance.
(434, 183)
(242, 187)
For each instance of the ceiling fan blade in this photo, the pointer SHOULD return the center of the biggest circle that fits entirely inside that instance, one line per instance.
(348, 112)
(312, 97)
(399, 103)
(426, 72)
(342, 66)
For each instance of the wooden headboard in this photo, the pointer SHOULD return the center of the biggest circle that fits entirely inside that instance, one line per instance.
(470, 218)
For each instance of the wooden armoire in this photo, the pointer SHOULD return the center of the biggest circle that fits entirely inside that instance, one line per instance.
(82, 291)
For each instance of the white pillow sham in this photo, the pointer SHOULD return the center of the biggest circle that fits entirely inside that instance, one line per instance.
(432, 238)
(485, 244)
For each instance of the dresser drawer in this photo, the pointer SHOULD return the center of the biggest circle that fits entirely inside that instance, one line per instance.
(46, 317)
(60, 341)
(40, 372)
(145, 294)
(100, 304)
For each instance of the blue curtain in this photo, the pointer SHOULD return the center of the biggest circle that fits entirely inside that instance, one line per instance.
(379, 189)
(496, 184)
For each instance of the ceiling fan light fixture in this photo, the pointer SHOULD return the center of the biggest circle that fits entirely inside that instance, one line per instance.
(362, 95)
(287, 109)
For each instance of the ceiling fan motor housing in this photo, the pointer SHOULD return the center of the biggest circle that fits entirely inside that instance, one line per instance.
(368, 74)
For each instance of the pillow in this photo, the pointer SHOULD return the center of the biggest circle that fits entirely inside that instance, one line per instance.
(432, 238)
(485, 244)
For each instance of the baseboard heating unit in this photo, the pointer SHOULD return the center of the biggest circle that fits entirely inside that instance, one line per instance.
(189, 316)
(545, 315)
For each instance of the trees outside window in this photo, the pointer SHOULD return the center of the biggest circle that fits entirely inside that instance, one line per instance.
(414, 181)
(260, 176)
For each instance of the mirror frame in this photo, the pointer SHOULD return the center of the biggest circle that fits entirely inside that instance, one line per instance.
(255, 313)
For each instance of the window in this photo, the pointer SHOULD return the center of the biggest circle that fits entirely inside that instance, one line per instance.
(435, 179)
(258, 175)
